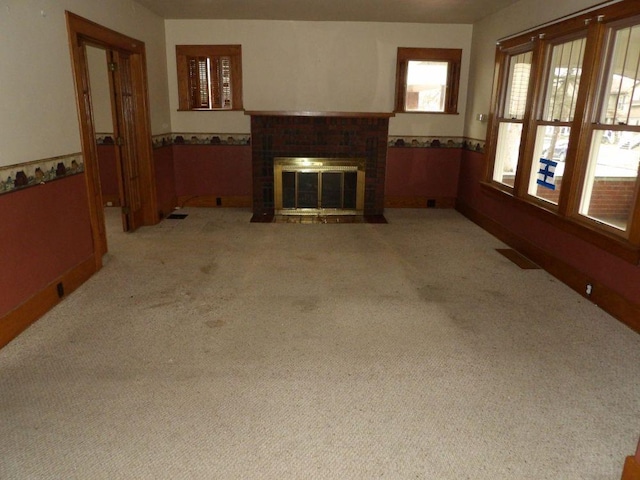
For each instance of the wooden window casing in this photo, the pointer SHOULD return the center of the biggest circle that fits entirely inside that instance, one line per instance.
(209, 77)
(452, 57)
(581, 124)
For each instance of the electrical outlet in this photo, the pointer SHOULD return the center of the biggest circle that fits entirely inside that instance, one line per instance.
(589, 289)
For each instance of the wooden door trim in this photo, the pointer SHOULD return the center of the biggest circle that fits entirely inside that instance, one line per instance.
(85, 32)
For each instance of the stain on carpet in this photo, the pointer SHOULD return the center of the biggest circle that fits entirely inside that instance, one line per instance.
(215, 323)
(207, 269)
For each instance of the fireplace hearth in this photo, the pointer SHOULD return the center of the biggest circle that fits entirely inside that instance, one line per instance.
(345, 155)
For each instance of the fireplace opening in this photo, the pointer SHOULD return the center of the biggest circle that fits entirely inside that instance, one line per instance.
(319, 186)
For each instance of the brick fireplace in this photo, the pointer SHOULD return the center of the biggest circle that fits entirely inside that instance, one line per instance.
(318, 135)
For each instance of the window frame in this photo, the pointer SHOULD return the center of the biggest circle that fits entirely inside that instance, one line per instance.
(184, 52)
(498, 115)
(565, 215)
(453, 58)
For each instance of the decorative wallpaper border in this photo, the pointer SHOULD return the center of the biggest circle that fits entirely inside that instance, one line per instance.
(15, 177)
(436, 142)
(425, 142)
(244, 139)
(474, 145)
(167, 139)
(105, 139)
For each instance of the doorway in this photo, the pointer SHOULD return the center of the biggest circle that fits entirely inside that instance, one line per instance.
(125, 58)
(104, 118)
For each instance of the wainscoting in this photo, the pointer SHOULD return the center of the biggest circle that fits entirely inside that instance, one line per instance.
(570, 259)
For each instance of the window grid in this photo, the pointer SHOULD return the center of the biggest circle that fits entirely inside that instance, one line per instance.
(618, 88)
(564, 81)
(518, 89)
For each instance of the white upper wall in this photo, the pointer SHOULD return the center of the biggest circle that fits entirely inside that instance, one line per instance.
(317, 66)
(39, 117)
(517, 18)
(100, 89)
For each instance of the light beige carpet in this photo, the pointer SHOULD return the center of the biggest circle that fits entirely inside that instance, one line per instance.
(213, 348)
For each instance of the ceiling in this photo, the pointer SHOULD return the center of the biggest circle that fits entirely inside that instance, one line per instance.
(411, 11)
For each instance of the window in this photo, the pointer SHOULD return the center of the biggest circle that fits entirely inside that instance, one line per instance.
(427, 80)
(553, 125)
(511, 116)
(611, 180)
(564, 135)
(209, 77)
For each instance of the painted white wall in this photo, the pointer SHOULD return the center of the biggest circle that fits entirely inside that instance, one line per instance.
(317, 66)
(519, 17)
(38, 118)
(100, 89)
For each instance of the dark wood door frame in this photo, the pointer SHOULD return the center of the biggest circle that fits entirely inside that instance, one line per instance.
(83, 32)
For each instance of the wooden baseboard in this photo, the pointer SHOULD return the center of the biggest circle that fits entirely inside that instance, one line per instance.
(16, 321)
(165, 209)
(215, 201)
(631, 469)
(609, 300)
(391, 201)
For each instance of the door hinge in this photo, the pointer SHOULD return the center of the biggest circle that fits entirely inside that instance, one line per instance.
(119, 141)
(113, 66)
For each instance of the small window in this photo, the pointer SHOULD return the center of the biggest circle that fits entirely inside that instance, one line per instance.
(209, 77)
(427, 80)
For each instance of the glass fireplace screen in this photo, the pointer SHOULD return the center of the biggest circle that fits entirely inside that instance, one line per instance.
(319, 186)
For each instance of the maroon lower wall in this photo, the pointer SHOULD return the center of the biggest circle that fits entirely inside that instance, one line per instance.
(422, 172)
(45, 233)
(212, 170)
(108, 174)
(611, 271)
(225, 171)
(165, 180)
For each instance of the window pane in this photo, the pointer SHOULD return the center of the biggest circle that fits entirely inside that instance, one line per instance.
(221, 82)
(548, 162)
(506, 163)
(518, 85)
(612, 174)
(199, 82)
(622, 94)
(426, 86)
(564, 80)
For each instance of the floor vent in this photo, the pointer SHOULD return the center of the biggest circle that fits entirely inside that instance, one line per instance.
(178, 216)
